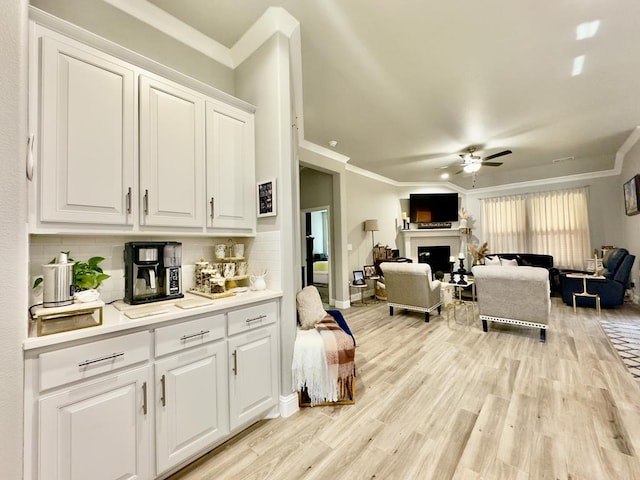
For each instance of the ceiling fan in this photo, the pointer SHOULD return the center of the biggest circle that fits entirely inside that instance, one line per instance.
(471, 163)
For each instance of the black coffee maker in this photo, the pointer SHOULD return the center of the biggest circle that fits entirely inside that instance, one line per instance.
(152, 271)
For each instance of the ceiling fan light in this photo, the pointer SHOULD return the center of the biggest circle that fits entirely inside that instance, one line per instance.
(472, 167)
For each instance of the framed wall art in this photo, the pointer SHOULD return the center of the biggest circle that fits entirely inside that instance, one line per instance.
(631, 195)
(267, 198)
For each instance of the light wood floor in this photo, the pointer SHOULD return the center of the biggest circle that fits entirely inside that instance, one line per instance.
(445, 400)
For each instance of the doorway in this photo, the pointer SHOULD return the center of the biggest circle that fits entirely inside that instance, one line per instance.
(316, 250)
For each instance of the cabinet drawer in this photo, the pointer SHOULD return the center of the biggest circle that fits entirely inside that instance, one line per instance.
(94, 358)
(252, 317)
(189, 334)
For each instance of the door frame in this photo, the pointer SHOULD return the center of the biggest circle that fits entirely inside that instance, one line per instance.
(303, 244)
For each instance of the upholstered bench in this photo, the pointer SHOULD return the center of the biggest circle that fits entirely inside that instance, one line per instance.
(513, 295)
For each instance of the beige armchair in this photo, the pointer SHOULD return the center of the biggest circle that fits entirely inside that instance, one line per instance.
(515, 295)
(409, 286)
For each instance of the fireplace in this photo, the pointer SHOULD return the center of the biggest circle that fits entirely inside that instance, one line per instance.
(436, 256)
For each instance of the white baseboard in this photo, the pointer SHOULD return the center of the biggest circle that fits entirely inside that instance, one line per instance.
(345, 304)
(289, 404)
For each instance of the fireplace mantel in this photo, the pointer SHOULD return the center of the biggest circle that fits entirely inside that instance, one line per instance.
(412, 239)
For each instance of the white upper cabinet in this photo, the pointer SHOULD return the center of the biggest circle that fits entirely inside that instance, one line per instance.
(121, 149)
(87, 129)
(230, 168)
(171, 155)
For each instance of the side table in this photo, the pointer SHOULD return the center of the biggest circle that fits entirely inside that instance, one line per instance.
(354, 288)
(584, 292)
(457, 298)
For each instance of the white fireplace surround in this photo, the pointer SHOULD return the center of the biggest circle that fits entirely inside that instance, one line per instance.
(412, 239)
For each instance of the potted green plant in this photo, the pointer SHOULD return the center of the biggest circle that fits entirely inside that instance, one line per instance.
(439, 275)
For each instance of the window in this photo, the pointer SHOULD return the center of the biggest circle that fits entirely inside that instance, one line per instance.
(554, 223)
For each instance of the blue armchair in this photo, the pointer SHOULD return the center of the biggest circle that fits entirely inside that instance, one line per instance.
(617, 264)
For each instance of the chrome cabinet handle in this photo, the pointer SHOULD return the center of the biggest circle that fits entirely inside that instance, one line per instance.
(129, 200)
(255, 319)
(163, 395)
(235, 362)
(199, 334)
(211, 202)
(30, 141)
(144, 398)
(101, 359)
(146, 202)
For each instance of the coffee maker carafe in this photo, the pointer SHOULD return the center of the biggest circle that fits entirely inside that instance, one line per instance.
(152, 271)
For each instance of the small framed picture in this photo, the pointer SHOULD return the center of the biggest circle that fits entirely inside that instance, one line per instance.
(631, 188)
(267, 198)
(358, 277)
(369, 271)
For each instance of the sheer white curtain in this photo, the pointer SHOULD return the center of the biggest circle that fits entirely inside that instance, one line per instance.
(554, 223)
(559, 226)
(504, 224)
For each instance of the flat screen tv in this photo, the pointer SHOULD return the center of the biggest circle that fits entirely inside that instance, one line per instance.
(433, 207)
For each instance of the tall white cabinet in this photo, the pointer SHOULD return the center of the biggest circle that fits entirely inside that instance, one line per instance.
(171, 155)
(120, 149)
(230, 173)
(87, 128)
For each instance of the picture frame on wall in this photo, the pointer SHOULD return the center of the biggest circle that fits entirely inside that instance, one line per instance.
(266, 195)
(630, 190)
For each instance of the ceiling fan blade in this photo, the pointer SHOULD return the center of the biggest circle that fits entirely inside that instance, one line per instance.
(496, 155)
(459, 172)
(491, 164)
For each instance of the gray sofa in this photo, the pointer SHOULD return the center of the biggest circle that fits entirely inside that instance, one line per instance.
(513, 295)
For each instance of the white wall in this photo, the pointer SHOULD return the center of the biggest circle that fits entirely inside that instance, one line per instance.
(263, 80)
(627, 236)
(13, 233)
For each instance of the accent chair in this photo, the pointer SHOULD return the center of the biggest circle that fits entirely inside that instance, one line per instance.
(410, 286)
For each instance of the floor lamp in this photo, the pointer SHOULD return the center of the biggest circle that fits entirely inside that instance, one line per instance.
(371, 226)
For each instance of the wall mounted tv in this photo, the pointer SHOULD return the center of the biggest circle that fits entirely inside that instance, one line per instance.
(433, 207)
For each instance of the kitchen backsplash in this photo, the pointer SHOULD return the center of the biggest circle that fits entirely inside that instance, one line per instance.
(262, 253)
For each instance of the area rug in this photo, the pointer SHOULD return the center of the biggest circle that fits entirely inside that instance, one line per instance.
(625, 338)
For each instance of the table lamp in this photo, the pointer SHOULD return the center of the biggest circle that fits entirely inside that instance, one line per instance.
(371, 226)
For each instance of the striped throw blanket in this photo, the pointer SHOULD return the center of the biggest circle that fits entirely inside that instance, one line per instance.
(324, 362)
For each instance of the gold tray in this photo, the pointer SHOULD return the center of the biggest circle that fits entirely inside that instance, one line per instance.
(213, 295)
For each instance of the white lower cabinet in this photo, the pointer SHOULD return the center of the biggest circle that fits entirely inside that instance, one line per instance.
(191, 401)
(99, 431)
(253, 357)
(91, 409)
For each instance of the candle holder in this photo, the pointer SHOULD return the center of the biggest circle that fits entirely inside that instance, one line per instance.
(451, 279)
(461, 272)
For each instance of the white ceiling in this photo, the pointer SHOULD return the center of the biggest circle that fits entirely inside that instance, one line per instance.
(404, 86)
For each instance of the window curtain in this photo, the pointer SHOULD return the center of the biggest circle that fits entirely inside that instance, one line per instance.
(504, 224)
(554, 223)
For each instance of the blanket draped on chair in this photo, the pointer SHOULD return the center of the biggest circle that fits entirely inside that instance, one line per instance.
(323, 361)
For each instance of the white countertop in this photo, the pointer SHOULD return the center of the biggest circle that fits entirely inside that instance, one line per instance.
(114, 320)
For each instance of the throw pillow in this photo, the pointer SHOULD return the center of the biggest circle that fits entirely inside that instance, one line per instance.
(505, 262)
(310, 309)
(491, 261)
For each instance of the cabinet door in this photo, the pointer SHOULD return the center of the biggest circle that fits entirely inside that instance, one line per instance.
(171, 155)
(253, 381)
(87, 128)
(99, 431)
(230, 168)
(191, 403)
